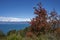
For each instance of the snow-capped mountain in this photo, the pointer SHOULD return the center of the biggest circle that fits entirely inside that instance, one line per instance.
(12, 19)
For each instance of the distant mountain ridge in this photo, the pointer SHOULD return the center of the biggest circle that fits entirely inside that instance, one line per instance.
(1, 22)
(13, 19)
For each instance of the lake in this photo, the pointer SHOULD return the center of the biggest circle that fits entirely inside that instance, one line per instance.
(7, 27)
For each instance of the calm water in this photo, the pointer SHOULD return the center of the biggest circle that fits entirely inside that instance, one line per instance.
(7, 27)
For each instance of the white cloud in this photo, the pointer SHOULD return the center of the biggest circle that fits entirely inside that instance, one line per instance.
(12, 19)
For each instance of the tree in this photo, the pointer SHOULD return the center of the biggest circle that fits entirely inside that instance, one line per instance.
(11, 32)
(39, 23)
(2, 34)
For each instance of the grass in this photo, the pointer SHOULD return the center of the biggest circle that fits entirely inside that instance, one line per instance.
(20, 35)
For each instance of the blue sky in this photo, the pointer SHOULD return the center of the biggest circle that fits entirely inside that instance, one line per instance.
(24, 8)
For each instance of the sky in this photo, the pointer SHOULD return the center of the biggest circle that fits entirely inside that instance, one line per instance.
(17, 10)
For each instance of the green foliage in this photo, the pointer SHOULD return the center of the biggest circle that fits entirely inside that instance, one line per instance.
(11, 32)
(1, 34)
(12, 37)
(19, 35)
